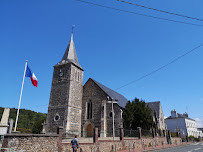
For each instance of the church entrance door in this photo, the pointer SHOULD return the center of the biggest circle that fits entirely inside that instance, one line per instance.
(89, 130)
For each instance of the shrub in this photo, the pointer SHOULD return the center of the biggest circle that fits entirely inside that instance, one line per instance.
(173, 134)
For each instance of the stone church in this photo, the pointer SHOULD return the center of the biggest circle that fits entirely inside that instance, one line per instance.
(80, 108)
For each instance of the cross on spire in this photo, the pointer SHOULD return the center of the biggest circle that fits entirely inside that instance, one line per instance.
(73, 28)
(70, 55)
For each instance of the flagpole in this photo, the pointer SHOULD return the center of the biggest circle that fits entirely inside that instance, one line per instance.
(20, 97)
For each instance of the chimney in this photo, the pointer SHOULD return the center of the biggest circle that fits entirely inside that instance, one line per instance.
(185, 114)
(174, 114)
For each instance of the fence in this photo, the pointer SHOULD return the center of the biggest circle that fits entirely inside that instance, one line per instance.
(86, 134)
(109, 133)
(146, 133)
(131, 133)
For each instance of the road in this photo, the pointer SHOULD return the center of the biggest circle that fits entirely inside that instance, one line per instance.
(195, 147)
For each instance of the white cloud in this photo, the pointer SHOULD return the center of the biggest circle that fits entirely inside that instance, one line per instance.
(199, 122)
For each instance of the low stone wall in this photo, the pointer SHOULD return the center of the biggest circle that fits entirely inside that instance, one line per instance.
(31, 142)
(176, 140)
(109, 145)
(53, 143)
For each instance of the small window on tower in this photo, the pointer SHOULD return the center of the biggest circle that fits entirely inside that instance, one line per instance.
(78, 76)
(60, 73)
(57, 117)
(75, 75)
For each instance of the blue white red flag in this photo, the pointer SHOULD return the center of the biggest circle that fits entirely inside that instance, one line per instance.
(32, 76)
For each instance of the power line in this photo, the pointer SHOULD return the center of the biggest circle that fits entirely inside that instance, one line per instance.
(162, 67)
(117, 9)
(160, 10)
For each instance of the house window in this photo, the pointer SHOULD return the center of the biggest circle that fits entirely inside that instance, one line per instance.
(89, 110)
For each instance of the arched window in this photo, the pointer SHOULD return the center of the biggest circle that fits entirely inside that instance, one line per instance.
(89, 110)
(111, 114)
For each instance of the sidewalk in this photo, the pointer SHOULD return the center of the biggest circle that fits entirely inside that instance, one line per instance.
(154, 148)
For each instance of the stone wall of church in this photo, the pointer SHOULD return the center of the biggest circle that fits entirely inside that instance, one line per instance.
(91, 92)
(161, 121)
(65, 99)
(58, 98)
(75, 102)
(60, 85)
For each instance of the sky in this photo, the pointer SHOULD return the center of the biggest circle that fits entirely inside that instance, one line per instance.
(113, 47)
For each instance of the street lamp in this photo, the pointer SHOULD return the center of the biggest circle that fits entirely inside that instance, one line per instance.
(112, 102)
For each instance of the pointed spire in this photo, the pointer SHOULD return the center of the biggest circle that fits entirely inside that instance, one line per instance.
(70, 55)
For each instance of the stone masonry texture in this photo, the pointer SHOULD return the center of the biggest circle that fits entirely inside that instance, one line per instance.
(109, 146)
(50, 143)
(91, 92)
(31, 143)
(65, 100)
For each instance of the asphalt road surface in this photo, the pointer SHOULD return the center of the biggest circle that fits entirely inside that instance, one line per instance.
(195, 147)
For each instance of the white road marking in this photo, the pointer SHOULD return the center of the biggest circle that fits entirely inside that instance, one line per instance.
(197, 148)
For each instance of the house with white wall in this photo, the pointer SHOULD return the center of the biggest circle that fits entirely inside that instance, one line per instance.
(183, 124)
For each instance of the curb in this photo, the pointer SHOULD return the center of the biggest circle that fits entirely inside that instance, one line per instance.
(172, 146)
(157, 148)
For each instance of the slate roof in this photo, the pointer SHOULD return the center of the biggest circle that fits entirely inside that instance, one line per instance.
(155, 107)
(113, 95)
(70, 55)
(180, 116)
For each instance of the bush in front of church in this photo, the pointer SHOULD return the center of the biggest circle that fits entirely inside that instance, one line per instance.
(137, 114)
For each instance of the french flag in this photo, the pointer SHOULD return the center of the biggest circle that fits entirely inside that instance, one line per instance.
(32, 76)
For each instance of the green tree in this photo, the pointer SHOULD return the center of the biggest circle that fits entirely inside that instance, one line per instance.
(137, 114)
(26, 120)
(37, 127)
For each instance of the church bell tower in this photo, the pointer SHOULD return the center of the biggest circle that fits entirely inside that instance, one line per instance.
(65, 104)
